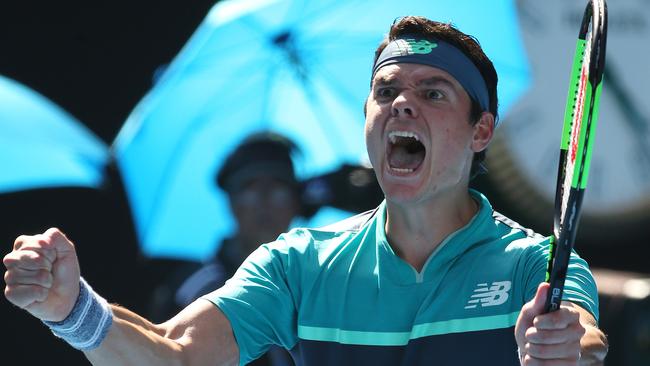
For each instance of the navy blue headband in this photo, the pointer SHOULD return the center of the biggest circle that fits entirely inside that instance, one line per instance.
(439, 54)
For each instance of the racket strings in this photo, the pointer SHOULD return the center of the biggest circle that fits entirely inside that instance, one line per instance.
(577, 148)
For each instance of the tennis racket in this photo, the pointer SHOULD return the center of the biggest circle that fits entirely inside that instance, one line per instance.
(577, 142)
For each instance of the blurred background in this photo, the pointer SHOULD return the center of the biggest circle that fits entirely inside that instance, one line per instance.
(106, 67)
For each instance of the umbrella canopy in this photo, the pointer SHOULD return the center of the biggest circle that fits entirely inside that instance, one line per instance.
(300, 68)
(42, 145)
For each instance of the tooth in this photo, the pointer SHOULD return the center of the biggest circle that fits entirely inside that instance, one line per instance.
(394, 134)
(401, 170)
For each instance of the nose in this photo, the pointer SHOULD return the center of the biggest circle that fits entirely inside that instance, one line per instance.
(404, 106)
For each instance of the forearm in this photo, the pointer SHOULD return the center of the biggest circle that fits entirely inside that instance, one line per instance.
(133, 340)
(198, 335)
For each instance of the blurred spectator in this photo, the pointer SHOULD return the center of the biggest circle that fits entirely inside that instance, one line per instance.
(264, 196)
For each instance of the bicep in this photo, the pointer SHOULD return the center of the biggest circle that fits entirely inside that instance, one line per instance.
(204, 333)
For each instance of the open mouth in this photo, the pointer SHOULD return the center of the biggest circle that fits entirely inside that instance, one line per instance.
(405, 152)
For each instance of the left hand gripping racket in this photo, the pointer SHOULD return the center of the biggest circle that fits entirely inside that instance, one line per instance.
(577, 142)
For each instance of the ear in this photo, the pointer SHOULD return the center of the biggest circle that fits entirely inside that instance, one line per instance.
(483, 132)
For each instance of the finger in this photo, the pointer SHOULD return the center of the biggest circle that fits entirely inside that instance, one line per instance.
(54, 232)
(567, 351)
(39, 243)
(18, 243)
(29, 259)
(20, 276)
(560, 319)
(52, 238)
(571, 333)
(532, 361)
(25, 295)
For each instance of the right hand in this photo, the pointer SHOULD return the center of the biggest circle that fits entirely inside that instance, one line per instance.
(42, 275)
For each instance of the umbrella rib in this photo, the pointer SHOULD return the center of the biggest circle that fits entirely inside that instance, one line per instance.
(267, 95)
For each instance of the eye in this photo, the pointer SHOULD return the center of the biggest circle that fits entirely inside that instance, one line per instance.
(434, 94)
(385, 92)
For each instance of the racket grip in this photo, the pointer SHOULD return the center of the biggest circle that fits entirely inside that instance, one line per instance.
(559, 267)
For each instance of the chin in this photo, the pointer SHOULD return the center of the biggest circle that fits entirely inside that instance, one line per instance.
(401, 188)
(403, 193)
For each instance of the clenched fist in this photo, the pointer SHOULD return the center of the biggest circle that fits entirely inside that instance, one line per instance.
(42, 275)
(549, 339)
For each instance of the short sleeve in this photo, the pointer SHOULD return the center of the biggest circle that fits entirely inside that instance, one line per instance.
(579, 286)
(258, 302)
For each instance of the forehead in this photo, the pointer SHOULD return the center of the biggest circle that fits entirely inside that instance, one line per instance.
(413, 73)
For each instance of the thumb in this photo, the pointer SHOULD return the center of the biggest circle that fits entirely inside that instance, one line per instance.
(58, 241)
(536, 306)
(539, 301)
(529, 311)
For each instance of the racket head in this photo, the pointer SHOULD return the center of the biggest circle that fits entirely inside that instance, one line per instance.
(576, 143)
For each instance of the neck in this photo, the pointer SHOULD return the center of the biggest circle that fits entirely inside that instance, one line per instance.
(415, 230)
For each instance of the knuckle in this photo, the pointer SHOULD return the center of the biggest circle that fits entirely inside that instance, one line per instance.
(25, 242)
(42, 293)
(579, 329)
(20, 240)
(37, 258)
(531, 332)
(8, 259)
(54, 233)
(8, 277)
(42, 242)
(44, 277)
(539, 350)
(555, 320)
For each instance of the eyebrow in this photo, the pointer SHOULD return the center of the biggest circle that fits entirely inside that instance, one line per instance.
(436, 80)
(385, 81)
(388, 81)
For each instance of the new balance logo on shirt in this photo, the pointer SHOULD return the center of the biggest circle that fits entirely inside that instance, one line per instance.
(492, 295)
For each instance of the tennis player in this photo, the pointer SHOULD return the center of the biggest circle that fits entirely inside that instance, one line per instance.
(433, 276)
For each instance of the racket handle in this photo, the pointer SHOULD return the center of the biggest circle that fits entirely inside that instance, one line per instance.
(558, 273)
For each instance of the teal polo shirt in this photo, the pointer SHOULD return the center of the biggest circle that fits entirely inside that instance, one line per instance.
(340, 295)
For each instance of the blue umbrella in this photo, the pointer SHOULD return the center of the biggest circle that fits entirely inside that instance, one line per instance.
(43, 146)
(300, 68)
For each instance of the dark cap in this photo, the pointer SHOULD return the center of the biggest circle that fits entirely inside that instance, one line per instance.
(263, 154)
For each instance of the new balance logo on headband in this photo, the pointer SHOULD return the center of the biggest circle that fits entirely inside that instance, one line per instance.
(495, 294)
(410, 46)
